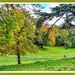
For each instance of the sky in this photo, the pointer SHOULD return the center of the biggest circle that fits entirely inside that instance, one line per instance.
(47, 6)
(47, 9)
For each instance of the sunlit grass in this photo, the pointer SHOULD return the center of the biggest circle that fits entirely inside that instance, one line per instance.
(48, 58)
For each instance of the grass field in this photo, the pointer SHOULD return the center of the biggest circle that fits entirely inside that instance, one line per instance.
(46, 59)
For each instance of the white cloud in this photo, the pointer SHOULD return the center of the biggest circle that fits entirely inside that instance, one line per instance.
(30, 8)
(54, 4)
(0, 5)
(59, 22)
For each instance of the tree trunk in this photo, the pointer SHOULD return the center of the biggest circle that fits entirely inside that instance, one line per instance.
(41, 45)
(18, 56)
(18, 53)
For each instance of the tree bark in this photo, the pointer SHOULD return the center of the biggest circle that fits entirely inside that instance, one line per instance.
(18, 53)
(18, 56)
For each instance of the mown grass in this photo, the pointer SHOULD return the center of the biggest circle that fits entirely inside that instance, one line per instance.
(46, 59)
(54, 52)
(49, 65)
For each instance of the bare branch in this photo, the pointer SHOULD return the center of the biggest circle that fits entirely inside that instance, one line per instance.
(54, 23)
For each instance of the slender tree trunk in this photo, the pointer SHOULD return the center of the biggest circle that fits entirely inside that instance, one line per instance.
(41, 45)
(18, 56)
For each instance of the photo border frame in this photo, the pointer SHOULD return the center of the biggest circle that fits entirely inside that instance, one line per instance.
(37, 72)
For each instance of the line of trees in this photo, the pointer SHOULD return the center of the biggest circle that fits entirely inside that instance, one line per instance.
(59, 11)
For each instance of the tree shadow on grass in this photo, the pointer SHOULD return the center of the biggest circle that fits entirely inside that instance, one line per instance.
(19, 67)
(46, 65)
(43, 49)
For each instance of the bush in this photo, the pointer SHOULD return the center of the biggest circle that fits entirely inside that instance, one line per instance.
(60, 40)
(72, 41)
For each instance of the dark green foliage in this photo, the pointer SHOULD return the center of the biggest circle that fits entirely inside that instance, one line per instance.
(60, 40)
(72, 41)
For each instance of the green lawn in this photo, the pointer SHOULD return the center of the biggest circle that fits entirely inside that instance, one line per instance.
(48, 58)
